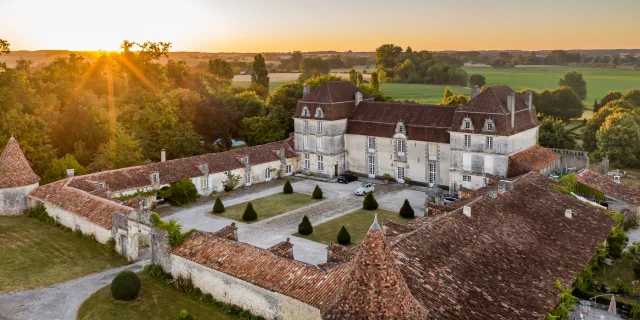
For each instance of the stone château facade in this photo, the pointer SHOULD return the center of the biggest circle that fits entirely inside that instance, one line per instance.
(338, 128)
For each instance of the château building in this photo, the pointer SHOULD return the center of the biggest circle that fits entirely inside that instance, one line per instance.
(339, 128)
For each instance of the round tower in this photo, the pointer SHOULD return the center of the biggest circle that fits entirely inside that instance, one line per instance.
(17, 179)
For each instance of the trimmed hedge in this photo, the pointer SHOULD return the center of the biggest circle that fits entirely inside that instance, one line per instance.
(369, 202)
(344, 238)
(287, 189)
(125, 286)
(249, 214)
(218, 207)
(181, 192)
(317, 193)
(406, 211)
(305, 227)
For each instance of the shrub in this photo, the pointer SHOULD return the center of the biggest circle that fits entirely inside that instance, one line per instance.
(616, 242)
(386, 176)
(305, 227)
(406, 211)
(125, 286)
(287, 188)
(317, 193)
(632, 252)
(173, 228)
(184, 315)
(344, 238)
(369, 202)
(110, 247)
(218, 207)
(181, 192)
(40, 212)
(231, 183)
(249, 214)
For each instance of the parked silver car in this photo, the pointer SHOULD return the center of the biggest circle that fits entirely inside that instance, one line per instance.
(364, 189)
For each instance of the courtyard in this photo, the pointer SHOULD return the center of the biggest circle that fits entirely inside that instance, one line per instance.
(339, 204)
(269, 206)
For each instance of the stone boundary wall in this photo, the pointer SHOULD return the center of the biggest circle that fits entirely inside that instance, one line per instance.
(223, 287)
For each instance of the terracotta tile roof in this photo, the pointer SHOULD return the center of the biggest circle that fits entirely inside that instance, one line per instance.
(15, 170)
(375, 288)
(283, 249)
(174, 170)
(228, 232)
(492, 104)
(392, 228)
(93, 208)
(605, 185)
(423, 122)
(262, 268)
(340, 253)
(334, 92)
(476, 267)
(531, 159)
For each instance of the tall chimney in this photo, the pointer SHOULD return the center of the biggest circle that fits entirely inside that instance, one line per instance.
(71, 173)
(163, 155)
(475, 90)
(306, 89)
(466, 210)
(358, 98)
(528, 99)
(511, 106)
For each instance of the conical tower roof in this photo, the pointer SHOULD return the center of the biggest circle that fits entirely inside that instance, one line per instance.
(375, 288)
(15, 170)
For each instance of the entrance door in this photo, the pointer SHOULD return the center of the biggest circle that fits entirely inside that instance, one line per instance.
(335, 174)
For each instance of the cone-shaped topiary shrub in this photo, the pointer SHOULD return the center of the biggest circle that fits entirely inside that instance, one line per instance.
(125, 286)
(249, 214)
(406, 211)
(218, 207)
(317, 193)
(369, 202)
(305, 227)
(344, 238)
(287, 188)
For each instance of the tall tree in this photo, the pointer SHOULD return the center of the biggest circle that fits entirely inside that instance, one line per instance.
(313, 67)
(610, 96)
(353, 76)
(553, 134)
(375, 83)
(386, 55)
(58, 169)
(477, 80)
(123, 150)
(574, 81)
(589, 142)
(221, 69)
(261, 130)
(619, 139)
(260, 75)
(4, 46)
(633, 96)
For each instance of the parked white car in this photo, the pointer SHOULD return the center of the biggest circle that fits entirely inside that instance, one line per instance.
(364, 189)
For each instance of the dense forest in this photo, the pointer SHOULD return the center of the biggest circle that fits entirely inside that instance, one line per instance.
(121, 108)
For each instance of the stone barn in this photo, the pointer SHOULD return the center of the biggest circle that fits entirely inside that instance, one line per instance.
(17, 179)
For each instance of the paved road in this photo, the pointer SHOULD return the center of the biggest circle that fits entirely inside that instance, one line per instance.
(340, 200)
(60, 301)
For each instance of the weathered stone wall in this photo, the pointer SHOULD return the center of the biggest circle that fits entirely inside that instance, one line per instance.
(13, 201)
(74, 222)
(223, 287)
(160, 248)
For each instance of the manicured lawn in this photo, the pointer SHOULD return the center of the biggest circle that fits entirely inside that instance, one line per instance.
(357, 224)
(155, 301)
(269, 206)
(34, 254)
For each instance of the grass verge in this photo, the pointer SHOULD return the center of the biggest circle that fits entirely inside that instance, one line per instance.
(269, 206)
(156, 300)
(357, 223)
(35, 254)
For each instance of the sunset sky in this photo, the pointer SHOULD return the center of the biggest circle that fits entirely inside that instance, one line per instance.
(286, 25)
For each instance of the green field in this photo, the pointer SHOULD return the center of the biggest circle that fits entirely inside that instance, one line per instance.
(269, 206)
(156, 301)
(35, 254)
(357, 224)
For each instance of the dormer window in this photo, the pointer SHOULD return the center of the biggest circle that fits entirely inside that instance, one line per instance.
(245, 160)
(155, 178)
(400, 128)
(319, 113)
(467, 124)
(305, 111)
(489, 125)
(99, 185)
(204, 168)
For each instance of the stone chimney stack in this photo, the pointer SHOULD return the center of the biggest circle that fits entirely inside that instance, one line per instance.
(528, 99)
(475, 91)
(504, 186)
(163, 155)
(358, 98)
(71, 173)
(511, 106)
(306, 89)
(568, 214)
